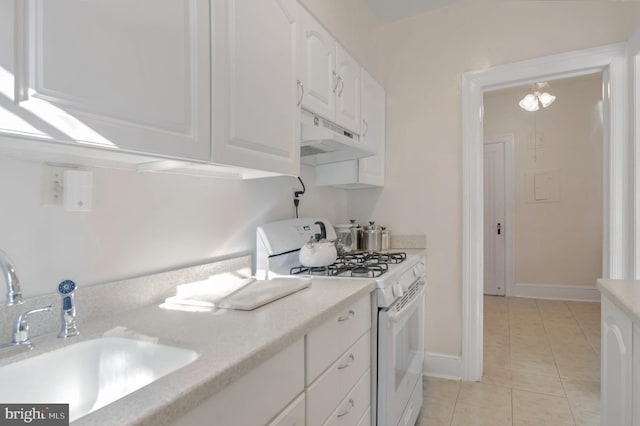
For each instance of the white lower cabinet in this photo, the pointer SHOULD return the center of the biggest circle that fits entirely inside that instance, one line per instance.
(617, 368)
(354, 405)
(332, 387)
(337, 391)
(338, 361)
(258, 397)
(293, 415)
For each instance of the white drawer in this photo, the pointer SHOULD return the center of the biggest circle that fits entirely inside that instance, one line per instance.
(327, 342)
(293, 415)
(354, 406)
(258, 396)
(333, 385)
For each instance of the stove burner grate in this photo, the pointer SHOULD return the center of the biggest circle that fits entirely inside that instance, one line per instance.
(356, 265)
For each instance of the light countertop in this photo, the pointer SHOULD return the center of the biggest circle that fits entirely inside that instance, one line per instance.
(625, 294)
(229, 343)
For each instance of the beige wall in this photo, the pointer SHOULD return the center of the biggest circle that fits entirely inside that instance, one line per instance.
(421, 61)
(557, 242)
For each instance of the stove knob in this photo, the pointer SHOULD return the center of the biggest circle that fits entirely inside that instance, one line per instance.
(397, 290)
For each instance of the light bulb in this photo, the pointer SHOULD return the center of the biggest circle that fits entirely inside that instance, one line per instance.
(529, 103)
(546, 99)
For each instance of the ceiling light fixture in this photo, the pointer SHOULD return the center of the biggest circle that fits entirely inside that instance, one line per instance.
(537, 97)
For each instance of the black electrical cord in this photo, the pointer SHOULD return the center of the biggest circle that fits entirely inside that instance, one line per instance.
(296, 200)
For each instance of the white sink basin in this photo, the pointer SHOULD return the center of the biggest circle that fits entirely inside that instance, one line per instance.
(90, 374)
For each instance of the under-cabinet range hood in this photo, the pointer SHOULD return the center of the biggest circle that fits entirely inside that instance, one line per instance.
(325, 142)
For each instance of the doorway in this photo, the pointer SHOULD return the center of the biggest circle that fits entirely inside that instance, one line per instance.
(611, 61)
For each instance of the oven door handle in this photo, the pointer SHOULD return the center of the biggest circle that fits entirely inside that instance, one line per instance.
(395, 316)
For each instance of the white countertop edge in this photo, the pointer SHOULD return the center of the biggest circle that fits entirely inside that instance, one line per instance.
(625, 294)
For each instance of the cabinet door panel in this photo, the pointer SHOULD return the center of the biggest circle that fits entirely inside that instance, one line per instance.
(262, 93)
(616, 365)
(371, 170)
(316, 67)
(348, 93)
(117, 74)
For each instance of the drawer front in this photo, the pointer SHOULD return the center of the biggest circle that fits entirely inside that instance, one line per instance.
(258, 396)
(365, 420)
(327, 342)
(293, 415)
(333, 385)
(354, 406)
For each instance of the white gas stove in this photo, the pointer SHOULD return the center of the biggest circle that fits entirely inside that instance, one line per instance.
(400, 281)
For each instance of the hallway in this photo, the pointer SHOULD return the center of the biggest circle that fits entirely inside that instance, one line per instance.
(541, 367)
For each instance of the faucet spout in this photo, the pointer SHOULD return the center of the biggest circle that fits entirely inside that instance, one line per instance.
(14, 294)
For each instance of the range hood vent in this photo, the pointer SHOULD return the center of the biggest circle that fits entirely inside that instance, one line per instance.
(325, 142)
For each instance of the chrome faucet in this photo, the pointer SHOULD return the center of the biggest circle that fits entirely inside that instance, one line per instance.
(21, 328)
(21, 336)
(14, 294)
(69, 327)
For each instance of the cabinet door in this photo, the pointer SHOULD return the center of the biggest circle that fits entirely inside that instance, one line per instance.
(371, 169)
(256, 95)
(616, 366)
(317, 67)
(113, 74)
(348, 91)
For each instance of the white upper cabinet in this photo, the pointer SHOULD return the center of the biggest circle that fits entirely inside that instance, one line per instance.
(369, 171)
(329, 76)
(317, 67)
(348, 90)
(256, 116)
(116, 74)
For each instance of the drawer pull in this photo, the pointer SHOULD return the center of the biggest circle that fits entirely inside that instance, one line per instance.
(347, 317)
(351, 359)
(348, 410)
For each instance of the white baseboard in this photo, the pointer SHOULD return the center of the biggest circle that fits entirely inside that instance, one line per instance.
(580, 293)
(441, 365)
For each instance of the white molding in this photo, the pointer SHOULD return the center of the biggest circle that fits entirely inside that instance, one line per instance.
(608, 59)
(579, 293)
(441, 365)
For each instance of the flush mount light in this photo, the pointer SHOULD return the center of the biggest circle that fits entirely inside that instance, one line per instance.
(533, 100)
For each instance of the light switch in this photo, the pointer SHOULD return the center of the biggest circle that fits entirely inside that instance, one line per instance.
(77, 190)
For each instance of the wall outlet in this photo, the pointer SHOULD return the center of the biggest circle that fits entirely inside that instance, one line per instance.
(52, 184)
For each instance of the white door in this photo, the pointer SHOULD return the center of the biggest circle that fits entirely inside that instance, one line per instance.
(257, 117)
(494, 215)
(112, 74)
(317, 67)
(348, 90)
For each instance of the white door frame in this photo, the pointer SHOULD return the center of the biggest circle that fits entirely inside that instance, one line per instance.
(509, 210)
(611, 61)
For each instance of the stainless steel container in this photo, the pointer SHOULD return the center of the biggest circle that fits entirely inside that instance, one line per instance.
(372, 237)
(356, 236)
(385, 240)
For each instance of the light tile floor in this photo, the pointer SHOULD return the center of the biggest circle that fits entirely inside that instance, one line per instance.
(541, 367)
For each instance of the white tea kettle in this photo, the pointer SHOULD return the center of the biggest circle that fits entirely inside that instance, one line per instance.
(318, 251)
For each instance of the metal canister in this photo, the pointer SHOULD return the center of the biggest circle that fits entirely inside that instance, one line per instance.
(385, 239)
(372, 237)
(356, 231)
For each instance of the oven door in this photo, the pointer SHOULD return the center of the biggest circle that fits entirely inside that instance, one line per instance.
(400, 357)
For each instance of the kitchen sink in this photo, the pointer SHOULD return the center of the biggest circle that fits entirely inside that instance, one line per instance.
(91, 374)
